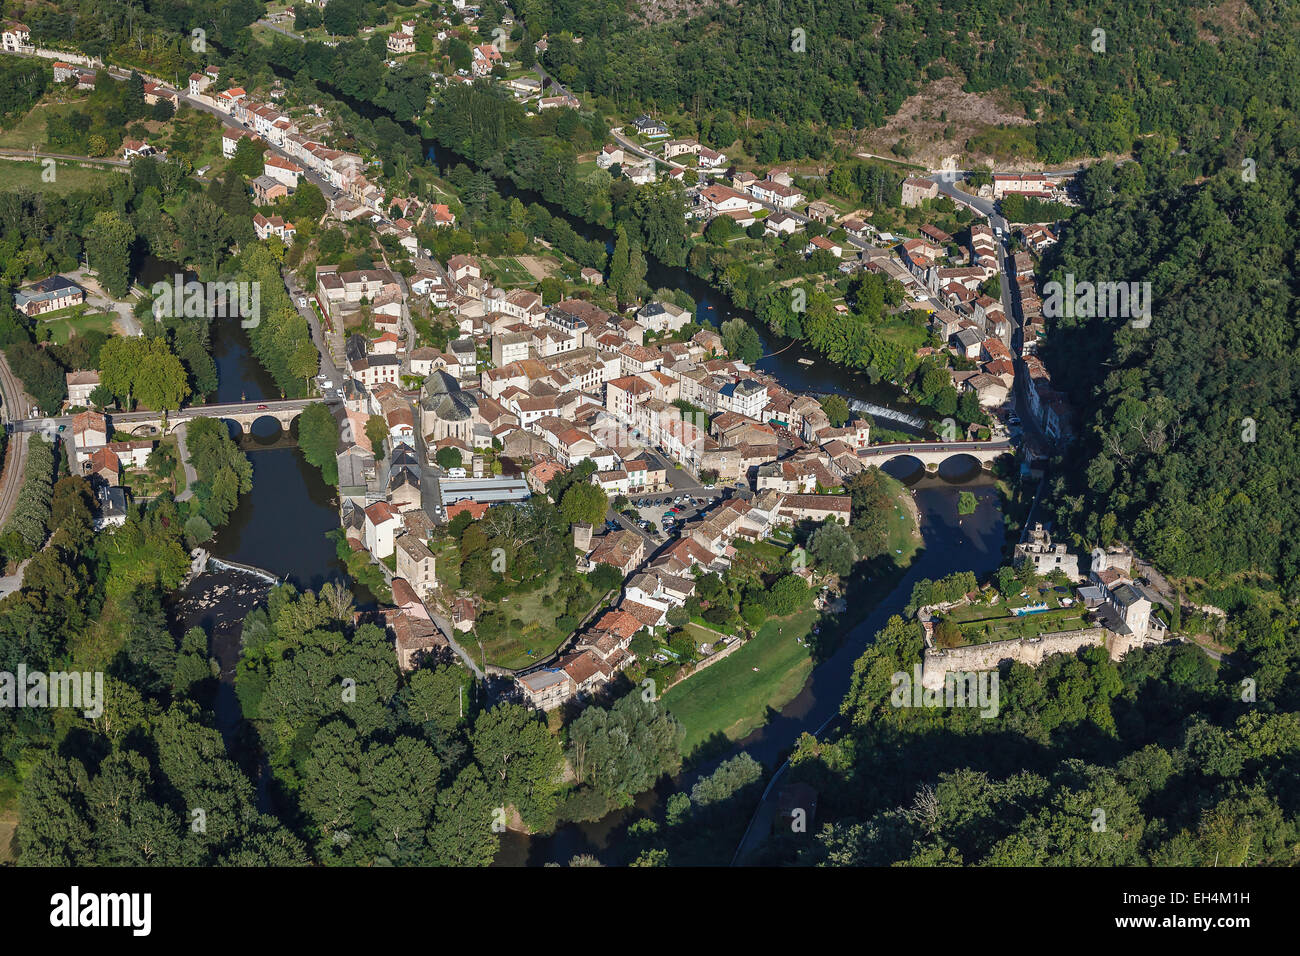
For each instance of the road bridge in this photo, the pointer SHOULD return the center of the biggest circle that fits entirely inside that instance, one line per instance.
(934, 454)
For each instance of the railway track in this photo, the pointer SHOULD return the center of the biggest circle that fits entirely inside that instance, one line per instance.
(15, 408)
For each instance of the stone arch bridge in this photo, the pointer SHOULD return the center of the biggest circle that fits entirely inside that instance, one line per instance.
(242, 414)
(933, 454)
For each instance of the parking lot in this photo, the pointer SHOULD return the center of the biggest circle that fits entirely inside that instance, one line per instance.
(652, 508)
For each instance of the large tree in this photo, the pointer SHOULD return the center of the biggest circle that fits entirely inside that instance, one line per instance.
(108, 249)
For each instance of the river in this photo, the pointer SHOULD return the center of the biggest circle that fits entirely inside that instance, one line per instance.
(278, 526)
(973, 542)
(951, 543)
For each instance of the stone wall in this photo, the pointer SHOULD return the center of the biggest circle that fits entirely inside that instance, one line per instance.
(66, 57)
(1027, 650)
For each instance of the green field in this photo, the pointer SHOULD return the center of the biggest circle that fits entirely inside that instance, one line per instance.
(511, 271)
(732, 698)
(17, 174)
(1006, 627)
(67, 323)
(29, 128)
(538, 635)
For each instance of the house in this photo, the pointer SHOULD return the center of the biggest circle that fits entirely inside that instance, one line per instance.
(48, 295)
(103, 465)
(525, 86)
(80, 384)
(89, 430)
(230, 138)
(555, 102)
(16, 38)
(621, 550)
(611, 155)
(276, 167)
(776, 193)
(825, 245)
(1037, 237)
(381, 523)
(717, 199)
(414, 635)
(485, 57)
(416, 563)
(401, 43)
(815, 507)
(680, 147)
(663, 317)
(134, 455)
(227, 100)
(63, 71)
(916, 191)
(200, 82)
(747, 398)
(546, 689)
(155, 93)
(267, 190)
(781, 224)
(592, 276)
(1025, 184)
(110, 508)
(821, 211)
(991, 391)
(967, 341)
(274, 226)
(648, 127)
(710, 158)
(640, 173)
(132, 148)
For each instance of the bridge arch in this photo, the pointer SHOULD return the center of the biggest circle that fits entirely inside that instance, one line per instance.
(961, 465)
(902, 466)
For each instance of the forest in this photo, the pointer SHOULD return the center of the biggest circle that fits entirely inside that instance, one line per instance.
(1188, 430)
(808, 66)
(1154, 760)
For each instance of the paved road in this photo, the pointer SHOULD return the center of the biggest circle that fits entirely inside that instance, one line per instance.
(281, 30)
(121, 75)
(191, 475)
(325, 341)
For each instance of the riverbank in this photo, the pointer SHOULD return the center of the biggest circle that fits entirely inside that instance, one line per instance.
(946, 544)
(730, 700)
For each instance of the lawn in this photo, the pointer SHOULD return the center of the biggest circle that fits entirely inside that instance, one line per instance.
(17, 174)
(769, 552)
(66, 323)
(538, 637)
(30, 128)
(511, 271)
(1006, 627)
(732, 698)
